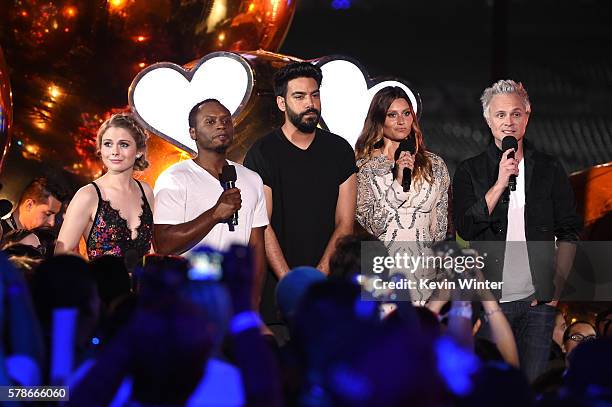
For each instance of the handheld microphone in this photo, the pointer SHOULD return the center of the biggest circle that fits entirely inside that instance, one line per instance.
(228, 180)
(409, 145)
(509, 142)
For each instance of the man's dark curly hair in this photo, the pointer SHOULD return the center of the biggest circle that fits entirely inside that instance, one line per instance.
(295, 70)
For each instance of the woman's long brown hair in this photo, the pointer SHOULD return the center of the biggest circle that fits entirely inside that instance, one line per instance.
(371, 137)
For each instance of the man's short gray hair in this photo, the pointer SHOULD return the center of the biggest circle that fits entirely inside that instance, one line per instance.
(500, 87)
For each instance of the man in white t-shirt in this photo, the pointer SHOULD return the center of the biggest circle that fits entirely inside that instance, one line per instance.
(191, 206)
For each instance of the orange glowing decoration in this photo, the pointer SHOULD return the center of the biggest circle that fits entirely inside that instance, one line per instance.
(275, 4)
(160, 155)
(55, 92)
(146, 31)
(70, 12)
(116, 5)
(32, 149)
(593, 191)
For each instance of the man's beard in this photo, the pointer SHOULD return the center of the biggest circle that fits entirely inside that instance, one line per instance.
(219, 149)
(307, 126)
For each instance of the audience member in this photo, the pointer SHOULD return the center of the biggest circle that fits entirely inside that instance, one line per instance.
(577, 333)
(589, 377)
(38, 205)
(68, 307)
(292, 288)
(22, 352)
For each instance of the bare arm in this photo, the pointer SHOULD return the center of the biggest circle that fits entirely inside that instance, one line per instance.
(345, 217)
(177, 239)
(78, 216)
(501, 332)
(274, 253)
(256, 241)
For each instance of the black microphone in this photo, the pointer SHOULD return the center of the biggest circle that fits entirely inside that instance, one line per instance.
(228, 180)
(409, 145)
(509, 142)
(131, 260)
(5, 207)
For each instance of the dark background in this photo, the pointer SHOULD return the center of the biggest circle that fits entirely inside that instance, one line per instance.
(449, 51)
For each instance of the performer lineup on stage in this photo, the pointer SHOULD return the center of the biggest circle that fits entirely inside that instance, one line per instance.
(248, 284)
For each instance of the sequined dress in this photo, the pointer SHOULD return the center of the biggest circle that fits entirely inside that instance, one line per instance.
(111, 235)
(406, 221)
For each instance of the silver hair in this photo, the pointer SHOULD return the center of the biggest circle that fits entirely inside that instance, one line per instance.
(504, 86)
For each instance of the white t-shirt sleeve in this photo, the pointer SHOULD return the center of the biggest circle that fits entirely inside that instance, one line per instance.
(260, 216)
(170, 200)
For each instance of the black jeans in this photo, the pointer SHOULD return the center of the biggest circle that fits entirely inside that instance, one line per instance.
(532, 328)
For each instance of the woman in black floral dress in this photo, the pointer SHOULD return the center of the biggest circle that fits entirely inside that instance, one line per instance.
(114, 213)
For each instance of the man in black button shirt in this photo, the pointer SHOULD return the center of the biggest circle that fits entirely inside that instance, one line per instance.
(309, 178)
(523, 223)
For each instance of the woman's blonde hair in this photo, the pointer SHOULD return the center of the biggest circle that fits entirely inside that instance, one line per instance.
(372, 136)
(126, 121)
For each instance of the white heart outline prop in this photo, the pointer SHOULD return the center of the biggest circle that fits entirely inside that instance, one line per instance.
(346, 93)
(162, 94)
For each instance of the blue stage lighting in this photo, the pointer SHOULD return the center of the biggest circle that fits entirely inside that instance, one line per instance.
(341, 4)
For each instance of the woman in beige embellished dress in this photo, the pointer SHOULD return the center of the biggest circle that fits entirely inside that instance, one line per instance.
(406, 221)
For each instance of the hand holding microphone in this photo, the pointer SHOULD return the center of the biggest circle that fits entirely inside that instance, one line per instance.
(404, 162)
(405, 165)
(230, 200)
(510, 143)
(508, 165)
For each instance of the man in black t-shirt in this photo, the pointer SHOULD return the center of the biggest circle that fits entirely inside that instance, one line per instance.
(309, 181)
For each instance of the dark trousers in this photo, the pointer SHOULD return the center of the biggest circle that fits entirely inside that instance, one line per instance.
(532, 328)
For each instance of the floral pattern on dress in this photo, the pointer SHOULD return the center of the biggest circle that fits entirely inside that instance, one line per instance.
(385, 210)
(111, 235)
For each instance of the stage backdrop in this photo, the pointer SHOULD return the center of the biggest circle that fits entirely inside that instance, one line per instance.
(71, 62)
(163, 94)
